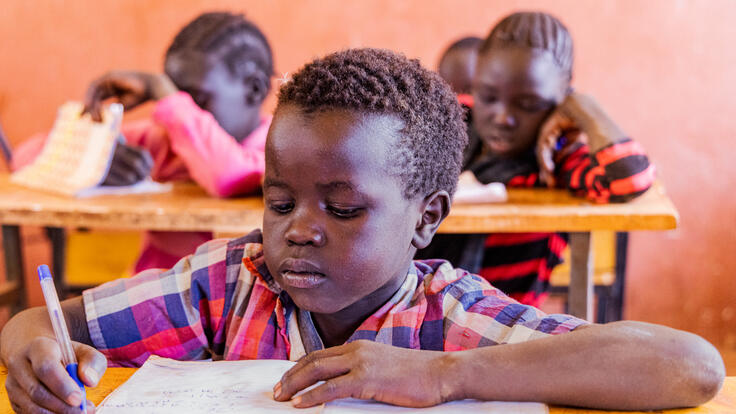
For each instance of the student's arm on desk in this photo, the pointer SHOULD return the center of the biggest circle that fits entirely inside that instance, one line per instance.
(597, 159)
(214, 159)
(620, 365)
(36, 375)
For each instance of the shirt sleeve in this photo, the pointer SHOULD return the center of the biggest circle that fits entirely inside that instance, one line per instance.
(214, 159)
(617, 172)
(476, 314)
(178, 313)
(27, 152)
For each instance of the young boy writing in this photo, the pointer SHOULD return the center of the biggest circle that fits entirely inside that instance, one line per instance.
(361, 161)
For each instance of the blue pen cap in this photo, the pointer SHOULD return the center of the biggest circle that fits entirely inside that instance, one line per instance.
(44, 272)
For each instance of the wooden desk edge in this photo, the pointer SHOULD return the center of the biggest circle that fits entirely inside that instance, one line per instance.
(652, 211)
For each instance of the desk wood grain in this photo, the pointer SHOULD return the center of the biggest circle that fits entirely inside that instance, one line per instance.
(724, 402)
(188, 208)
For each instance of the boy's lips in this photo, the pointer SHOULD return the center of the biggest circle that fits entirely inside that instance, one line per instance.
(499, 144)
(300, 273)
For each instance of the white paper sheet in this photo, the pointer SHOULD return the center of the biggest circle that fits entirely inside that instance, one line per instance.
(147, 186)
(471, 191)
(164, 386)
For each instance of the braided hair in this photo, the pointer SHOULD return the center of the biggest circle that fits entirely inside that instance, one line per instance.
(469, 42)
(535, 30)
(226, 37)
(428, 155)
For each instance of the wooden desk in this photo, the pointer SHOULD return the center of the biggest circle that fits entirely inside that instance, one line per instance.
(724, 402)
(188, 208)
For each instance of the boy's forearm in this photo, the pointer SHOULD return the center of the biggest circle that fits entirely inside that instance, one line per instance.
(31, 323)
(623, 365)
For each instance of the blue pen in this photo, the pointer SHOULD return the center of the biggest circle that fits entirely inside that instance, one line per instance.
(60, 330)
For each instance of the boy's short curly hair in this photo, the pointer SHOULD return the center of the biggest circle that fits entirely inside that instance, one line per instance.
(428, 156)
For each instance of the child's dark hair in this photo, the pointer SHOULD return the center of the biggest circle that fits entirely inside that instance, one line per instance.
(469, 42)
(535, 30)
(228, 36)
(428, 156)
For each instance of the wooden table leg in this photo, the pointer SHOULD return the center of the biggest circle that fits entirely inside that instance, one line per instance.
(57, 237)
(13, 291)
(580, 296)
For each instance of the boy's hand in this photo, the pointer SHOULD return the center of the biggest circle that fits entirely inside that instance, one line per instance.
(580, 119)
(37, 380)
(368, 370)
(130, 88)
(129, 165)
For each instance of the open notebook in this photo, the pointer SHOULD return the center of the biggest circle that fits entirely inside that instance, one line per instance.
(163, 386)
(77, 155)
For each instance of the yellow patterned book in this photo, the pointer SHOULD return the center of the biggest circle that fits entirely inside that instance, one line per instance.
(77, 153)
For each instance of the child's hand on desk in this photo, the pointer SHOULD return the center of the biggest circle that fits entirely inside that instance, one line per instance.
(367, 370)
(129, 165)
(130, 88)
(579, 118)
(37, 378)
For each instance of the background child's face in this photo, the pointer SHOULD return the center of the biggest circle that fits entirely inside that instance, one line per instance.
(216, 90)
(457, 68)
(337, 230)
(514, 90)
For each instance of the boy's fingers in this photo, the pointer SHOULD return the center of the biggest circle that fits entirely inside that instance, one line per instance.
(97, 92)
(45, 360)
(333, 389)
(137, 160)
(310, 373)
(93, 108)
(544, 158)
(92, 364)
(314, 356)
(119, 177)
(26, 391)
(22, 403)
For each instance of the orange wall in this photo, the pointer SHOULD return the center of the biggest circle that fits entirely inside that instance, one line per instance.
(664, 69)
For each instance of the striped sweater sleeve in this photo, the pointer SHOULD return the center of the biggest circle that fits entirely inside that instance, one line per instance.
(616, 173)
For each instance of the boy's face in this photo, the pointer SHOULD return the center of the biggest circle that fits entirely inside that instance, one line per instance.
(337, 230)
(514, 91)
(216, 90)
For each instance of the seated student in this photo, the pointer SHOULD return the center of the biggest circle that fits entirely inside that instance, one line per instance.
(457, 67)
(528, 128)
(206, 125)
(362, 158)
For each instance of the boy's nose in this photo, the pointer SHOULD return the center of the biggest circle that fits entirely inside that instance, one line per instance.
(303, 231)
(503, 117)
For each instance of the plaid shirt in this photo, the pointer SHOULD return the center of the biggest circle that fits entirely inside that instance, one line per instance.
(221, 302)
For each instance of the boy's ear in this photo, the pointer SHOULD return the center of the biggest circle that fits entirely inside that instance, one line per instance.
(257, 86)
(435, 207)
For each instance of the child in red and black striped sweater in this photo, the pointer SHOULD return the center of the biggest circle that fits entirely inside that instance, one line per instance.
(528, 128)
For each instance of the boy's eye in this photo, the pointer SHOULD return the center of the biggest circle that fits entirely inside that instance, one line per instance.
(344, 212)
(281, 208)
(487, 98)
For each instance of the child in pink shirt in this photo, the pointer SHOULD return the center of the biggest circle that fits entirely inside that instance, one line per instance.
(206, 126)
